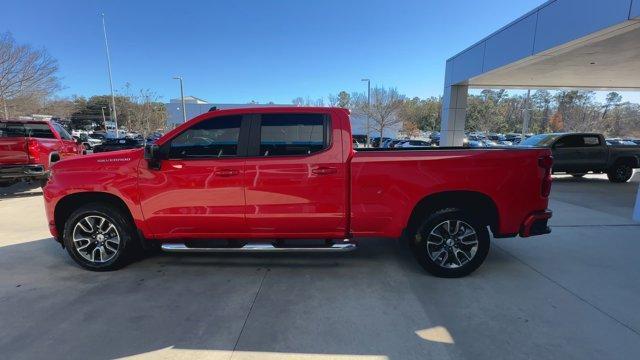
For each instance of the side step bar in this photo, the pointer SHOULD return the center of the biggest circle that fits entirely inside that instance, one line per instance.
(257, 247)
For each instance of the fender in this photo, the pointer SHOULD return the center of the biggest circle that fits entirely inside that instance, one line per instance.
(114, 173)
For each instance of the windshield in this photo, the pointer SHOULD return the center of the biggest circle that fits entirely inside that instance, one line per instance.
(540, 140)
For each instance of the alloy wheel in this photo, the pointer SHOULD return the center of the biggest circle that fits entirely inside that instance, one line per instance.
(452, 243)
(96, 239)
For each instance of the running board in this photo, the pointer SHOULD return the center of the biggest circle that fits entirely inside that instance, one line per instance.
(257, 247)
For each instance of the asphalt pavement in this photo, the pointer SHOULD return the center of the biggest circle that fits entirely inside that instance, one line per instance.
(572, 294)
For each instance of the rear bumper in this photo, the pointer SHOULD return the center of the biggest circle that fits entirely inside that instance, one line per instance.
(33, 171)
(536, 224)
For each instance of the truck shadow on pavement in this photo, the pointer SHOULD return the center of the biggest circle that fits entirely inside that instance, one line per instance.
(373, 303)
(324, 304)
(20, 190)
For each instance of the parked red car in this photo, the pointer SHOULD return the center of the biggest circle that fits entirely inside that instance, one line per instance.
(29, 147)
(258, 177)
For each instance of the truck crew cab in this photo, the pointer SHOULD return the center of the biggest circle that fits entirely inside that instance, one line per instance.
(260, 176)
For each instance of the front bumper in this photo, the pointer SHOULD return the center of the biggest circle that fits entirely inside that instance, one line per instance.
(536, 224)
(15, 172)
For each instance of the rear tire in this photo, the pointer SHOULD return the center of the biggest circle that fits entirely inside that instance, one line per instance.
(450, 243)
(99, 237)
(620, 173)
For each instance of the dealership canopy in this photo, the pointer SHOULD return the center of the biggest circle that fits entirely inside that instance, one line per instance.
(582, 44)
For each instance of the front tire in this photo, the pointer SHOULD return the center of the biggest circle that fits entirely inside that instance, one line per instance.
(98, 237)
(450, 243)
(620, 173)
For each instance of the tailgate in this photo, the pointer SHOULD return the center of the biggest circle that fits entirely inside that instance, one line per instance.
(13, 150)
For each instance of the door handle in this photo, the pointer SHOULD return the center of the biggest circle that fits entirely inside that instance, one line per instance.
(324, 170)
(226, 172)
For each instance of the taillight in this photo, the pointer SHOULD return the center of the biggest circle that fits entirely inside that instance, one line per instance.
(546, 162)
(33, 150)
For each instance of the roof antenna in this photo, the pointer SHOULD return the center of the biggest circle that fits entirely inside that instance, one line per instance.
(213, 108)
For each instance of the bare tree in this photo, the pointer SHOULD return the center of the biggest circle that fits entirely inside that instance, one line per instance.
(383, 110)
(299, 101)
(613, 99)
(24, 71)
(147, 114)
(58, 107)
(341, 100)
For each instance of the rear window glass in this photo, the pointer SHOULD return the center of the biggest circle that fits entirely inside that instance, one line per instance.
(9, 129)
(578, 141)
(591, 141)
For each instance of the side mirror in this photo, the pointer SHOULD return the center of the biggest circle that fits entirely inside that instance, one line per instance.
(154, 155)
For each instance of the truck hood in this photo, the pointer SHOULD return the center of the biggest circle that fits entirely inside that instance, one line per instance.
(100, 160)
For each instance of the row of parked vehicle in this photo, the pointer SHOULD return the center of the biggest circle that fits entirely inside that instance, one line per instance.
(101, 141)
(472, 139)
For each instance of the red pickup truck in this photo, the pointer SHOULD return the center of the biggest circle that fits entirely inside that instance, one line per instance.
(254, 179)
(29, 147)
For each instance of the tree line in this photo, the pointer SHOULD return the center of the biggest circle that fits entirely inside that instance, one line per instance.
(554, 111)
(141, 112)
(494, 111)
(29, 84)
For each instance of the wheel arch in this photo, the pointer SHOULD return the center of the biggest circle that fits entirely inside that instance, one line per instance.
(474, 202)
(628, 160)
(68, 204)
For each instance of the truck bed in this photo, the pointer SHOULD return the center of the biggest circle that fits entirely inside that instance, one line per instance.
(388, 183)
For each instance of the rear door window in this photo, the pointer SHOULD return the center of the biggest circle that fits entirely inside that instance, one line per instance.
(213, 138)
(293, 134)
(570, 141)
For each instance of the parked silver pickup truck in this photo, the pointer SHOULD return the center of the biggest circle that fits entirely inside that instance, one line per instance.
(580, 153)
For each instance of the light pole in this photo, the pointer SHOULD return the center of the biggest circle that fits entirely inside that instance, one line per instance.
(184, 110)
(104, 119)
(114, 115)
(368, 110)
